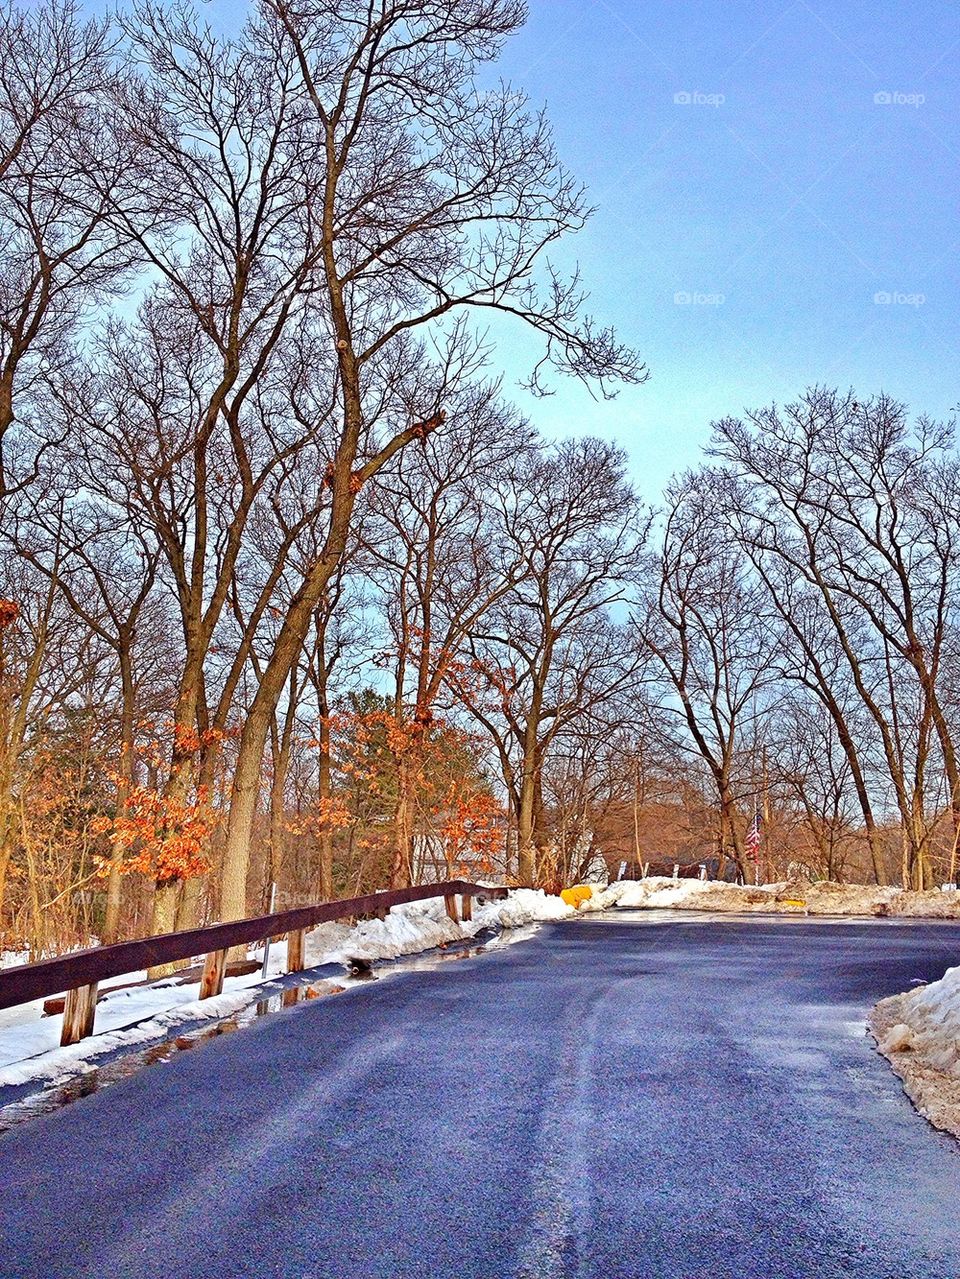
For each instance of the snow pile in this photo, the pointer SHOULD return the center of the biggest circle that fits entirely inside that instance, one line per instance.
(791, 897)
(933, 1013)
(420, 926)
(928, 1023)
(29, 1042)
(52, 1063)
(934, 904)
(653, 893)
(407, 930)
(523, 906)
(919, 1033)
(661, 893)
(128, 1004)
(825, 898)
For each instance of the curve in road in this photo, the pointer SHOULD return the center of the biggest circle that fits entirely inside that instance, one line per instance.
(693, 1099)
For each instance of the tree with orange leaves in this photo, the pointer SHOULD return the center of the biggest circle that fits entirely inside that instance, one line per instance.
(456, 819)
(472, 831)
(160, 836)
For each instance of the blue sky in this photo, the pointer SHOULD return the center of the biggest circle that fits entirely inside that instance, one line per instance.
(783, 187)
(797, 198)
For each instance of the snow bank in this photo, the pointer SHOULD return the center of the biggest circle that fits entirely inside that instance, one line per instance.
(660, 893)
(655, 893)
(919, 1034)
(933, 1013)
(57, 1064)
(29, 1042)
(524, 906)
(134, 1013)
(420, 926)
(407, 930)
(790, 898)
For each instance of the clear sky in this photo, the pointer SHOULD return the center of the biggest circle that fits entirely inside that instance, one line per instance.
(785, 186)
(814, 165)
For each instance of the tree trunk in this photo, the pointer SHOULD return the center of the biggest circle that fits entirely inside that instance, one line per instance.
(400, 875)
(188, 908)
(281, 762)
(526, 849)
(163, 920)
(289, 643)
(324, 794)
(729, 835)
(111, 919)
(243, 805)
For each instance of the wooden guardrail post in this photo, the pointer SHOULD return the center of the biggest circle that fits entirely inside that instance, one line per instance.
(466, 907)
(214, 967)
(79, 1010)
(450, 901)
(296, 950)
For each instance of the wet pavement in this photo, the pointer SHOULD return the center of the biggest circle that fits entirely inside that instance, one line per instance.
(619, 1096)
(20, 1102)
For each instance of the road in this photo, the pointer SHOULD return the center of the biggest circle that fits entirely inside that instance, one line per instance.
(693, 1099)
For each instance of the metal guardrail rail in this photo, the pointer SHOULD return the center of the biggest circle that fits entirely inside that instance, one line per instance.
(80, 972)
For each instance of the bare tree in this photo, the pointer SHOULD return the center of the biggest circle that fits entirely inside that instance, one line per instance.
(442, 564)
(61, 163)
(105, 569)
(702, 617)
(862, 511)
(435, 197)
(549, 651)
(193, 412)
(810, 765)
(815, 659)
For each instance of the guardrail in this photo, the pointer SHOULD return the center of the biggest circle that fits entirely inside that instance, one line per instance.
(80, 972)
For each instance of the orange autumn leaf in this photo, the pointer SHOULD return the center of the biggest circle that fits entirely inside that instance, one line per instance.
(159, 836)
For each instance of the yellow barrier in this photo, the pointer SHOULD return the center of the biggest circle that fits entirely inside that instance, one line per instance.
(576, 895)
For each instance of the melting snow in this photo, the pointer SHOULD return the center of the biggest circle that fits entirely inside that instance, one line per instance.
(29, 1043)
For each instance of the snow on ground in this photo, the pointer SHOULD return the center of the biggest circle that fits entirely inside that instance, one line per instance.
(524, 906)
(419, 926)
(919, 1034)
(31, 1051)
(792, 897)
(29, 1042)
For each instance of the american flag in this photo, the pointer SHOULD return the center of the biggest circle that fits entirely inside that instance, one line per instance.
(755, 833)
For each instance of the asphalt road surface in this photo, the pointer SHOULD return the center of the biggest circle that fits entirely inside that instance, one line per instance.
(687, 1100)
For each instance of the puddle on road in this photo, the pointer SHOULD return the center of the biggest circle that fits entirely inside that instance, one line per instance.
(93, 1078)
